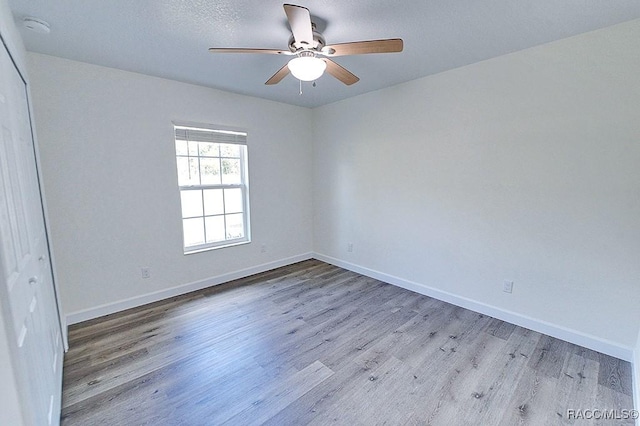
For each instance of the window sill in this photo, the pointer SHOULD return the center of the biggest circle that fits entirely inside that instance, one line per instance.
(203, 249)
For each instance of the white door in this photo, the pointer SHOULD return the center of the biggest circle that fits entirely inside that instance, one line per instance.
(26, 268)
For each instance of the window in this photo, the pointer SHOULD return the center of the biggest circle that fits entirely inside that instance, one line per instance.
(214, 189)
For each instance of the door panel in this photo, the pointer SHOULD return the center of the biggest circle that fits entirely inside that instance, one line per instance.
(26, 268)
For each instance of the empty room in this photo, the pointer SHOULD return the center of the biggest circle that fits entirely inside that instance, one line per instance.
(353, 213)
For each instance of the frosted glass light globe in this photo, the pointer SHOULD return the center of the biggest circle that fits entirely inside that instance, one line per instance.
(307, 68)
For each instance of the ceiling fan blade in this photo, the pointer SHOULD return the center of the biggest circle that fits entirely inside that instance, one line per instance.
(390, 45)
(278, 76)
(340, 72)
(300, 23)
(243, 50)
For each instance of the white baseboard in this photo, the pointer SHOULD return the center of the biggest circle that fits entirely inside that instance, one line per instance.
(541, 326)
(110, 308)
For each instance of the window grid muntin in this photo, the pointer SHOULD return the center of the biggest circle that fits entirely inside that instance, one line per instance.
(225, 212)
(243, 186)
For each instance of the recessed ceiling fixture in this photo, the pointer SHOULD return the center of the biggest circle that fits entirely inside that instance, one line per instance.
(36, 25)
(312, 53)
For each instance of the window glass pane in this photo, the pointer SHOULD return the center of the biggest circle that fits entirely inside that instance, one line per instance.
(212, 194)
(209, 149)
(191, 203)
(233, 200)
(193, 231)
(213, 203)
(229, 150)
(215, 228)
(181, 147)
(193, 148)
(210, 171)
(230, 171)
(188, 171)
(235, 226)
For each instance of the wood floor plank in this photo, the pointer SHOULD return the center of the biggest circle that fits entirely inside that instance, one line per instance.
(205, 339)
(358, 338)
(615, 374)
(311, 343)
(322, 399)
(614, 403)
(286, 392)
(499, 380)
(549, 356)
(390, 378)
(365, 333)
(532, 402)
(451, 390)
(500, 329)
(578, 382)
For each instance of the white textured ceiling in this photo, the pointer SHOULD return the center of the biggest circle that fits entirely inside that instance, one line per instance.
(170, 38)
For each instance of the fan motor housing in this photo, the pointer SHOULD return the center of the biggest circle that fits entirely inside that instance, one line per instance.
(318, 41)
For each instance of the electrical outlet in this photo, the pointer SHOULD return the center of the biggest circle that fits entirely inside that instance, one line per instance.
(507, 286)
(145, 272)
(263, 248)
(350, 247)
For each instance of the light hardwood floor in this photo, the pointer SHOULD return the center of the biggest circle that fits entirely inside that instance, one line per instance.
(315, 344)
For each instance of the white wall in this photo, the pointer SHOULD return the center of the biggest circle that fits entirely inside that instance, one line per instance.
(524, 167)
(109, 171)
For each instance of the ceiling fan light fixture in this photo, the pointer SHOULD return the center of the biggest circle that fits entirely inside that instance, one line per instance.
(306, 43)
(307, 67)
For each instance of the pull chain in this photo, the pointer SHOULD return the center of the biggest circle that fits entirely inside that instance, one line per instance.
(300, 81)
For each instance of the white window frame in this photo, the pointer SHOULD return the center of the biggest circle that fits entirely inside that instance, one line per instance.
(193, 132)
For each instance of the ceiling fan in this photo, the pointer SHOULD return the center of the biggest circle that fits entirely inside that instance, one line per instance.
(312, 54)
